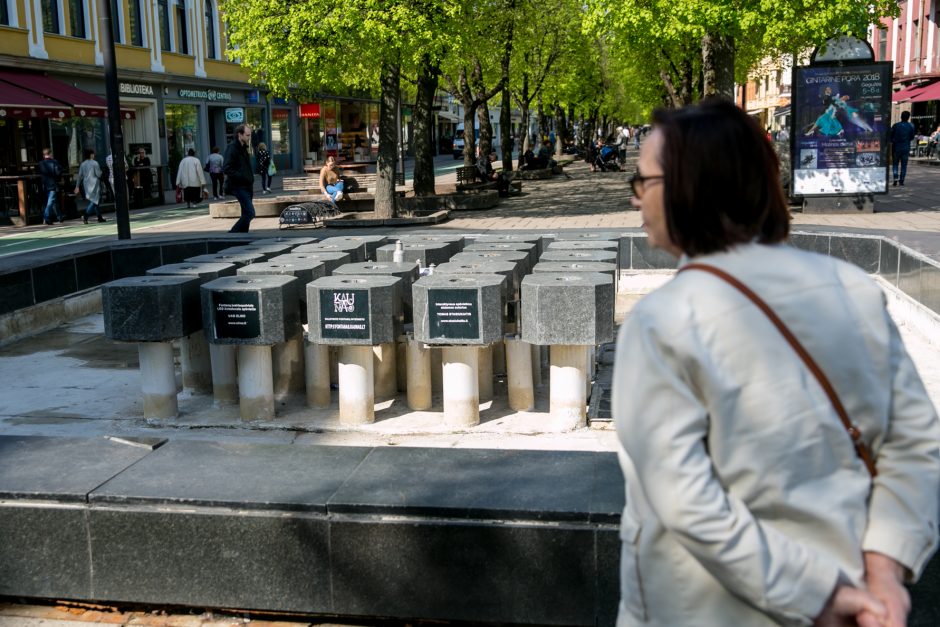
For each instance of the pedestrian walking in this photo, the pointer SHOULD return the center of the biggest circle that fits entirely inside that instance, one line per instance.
(239, 180)
(190, 179)
(902, 133)
(88, 184)
(50, 171)
(263, 158)
(750, 497)
(214, 168)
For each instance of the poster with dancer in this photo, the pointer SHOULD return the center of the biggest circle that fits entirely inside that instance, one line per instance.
(841, 116)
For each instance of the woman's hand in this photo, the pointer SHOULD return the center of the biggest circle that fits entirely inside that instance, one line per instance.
(885, 580)
(847, 603)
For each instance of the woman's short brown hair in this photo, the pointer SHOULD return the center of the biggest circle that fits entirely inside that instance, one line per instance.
(721, 178)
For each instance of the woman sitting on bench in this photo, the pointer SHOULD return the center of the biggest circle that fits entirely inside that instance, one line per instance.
(331, 184)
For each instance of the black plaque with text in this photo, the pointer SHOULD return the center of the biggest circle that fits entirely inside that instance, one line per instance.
(237, 315)
(453, 314)
(344, 314)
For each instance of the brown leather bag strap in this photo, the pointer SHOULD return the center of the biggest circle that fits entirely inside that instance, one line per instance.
(860, 448)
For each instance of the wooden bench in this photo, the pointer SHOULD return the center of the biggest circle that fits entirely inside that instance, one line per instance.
(300, 184)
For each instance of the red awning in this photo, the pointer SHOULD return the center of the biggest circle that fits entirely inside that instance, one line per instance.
(930, 92)
(83, 103)
(908, 92)
(20, 104)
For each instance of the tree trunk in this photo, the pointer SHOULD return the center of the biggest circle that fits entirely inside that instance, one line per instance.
(388, 142)
(523, 102)
(560, 130)
(718, 65)
(486, 129)
(505, 129)
(422, 119)
(469, 137)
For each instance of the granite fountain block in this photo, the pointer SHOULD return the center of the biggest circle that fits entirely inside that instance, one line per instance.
(586, 245)
(531, 248)
(239, 259)
(645, 257)
(579, 256)
(455, 242)
(568, 309)
(424, 252)
(355, 250)
(53, 280)
(268, 250)
(568, 267)
(151, 308)
(254, 310)
(354, 310)
(864, 252)
(305, 270)
(481, 256)
(509, 238)
(459, 309)
(407, 272)
(909, 271)
(930, 286)
(330, 259)
(508, 269)
(371, 242)
(205, 271)
(813, 242)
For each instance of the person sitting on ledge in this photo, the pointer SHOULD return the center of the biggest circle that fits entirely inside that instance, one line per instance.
(331, 184)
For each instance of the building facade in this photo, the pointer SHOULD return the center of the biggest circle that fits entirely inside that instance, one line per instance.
(911, 42)
(177, 88)
(766, 95)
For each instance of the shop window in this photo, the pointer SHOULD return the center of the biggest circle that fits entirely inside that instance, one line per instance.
(134, 17)
(280, 138)
(182, 35)
(50, 16)
(210, 30)
(164, 12)
(117, 26)
(4, 13)
(182, 133)
(882, 44)
(77, 18)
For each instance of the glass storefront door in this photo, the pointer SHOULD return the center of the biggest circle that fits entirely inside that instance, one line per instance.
(182, 133)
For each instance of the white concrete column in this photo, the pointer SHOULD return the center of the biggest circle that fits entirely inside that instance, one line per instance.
(485, 369)
(418, 359)
(255, 383)
(317, 374)
(356, 390)
(224, 377)
(519, 374)
(461, 385)
(288, 367)
(385, 366)
(567, 394)
(158, 379)
(401, 359)
(195, 363)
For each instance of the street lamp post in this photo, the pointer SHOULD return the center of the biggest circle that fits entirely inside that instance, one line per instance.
(116, 134)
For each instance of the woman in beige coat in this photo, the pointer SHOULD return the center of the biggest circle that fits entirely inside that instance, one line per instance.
(191, 180)
(747, 503)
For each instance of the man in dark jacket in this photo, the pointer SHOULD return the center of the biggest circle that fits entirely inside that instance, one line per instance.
(902, 133)
(239, 179)
(50, 171)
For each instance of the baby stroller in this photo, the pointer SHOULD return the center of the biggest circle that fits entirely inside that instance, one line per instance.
(606, 160)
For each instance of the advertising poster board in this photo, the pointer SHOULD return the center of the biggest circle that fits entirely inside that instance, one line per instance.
(842, 116)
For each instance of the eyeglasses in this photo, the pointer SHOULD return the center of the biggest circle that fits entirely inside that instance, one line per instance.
(638, 182)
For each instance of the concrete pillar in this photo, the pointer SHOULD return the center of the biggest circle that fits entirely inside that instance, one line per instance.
(195, 363)
(334, 365)
(158, 379)
(437, 372)
(224, 377)
(499, 359)
(386, 376)
(288, 365)
(317, 374)
(418, 359)
(401, 368)
(519, 374)
(485, 366)
(255, 383)
(568, 397)
(461, 385)
(356, 387)
(536, 359)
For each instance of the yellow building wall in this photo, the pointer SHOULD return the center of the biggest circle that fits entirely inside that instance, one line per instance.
(132, 57)
(175, 63)
(62, 48)
(223, 70)
(14, 41)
